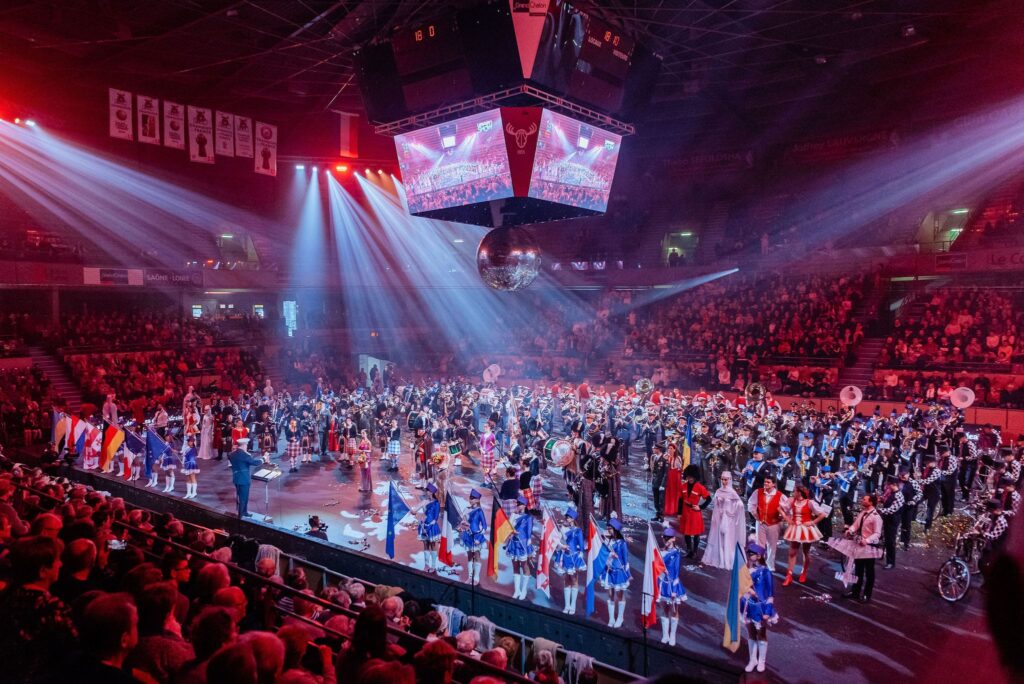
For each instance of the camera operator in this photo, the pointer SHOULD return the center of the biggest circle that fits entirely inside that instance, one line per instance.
(316, 528)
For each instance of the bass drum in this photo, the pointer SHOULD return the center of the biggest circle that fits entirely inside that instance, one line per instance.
(413, 417)
(558, 452)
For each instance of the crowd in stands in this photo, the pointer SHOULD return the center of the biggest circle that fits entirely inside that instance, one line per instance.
(1003, 391)
(35, 246)
(93, 591)
(26, 399)
(956, 326)
(130, 329)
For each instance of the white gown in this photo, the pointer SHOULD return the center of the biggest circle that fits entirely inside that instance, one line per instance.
(206, 438)
(728, 528)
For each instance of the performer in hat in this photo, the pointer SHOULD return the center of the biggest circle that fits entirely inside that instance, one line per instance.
(670, 587)
(728, 525)
(617, 574)
(806, 454)
(169, 464)
(519, 548)
(693, 500)
(293, 435)
(474, 536)
(190, 468)
(430, 530)
(569, 560)
(674, 481)
(758, 607)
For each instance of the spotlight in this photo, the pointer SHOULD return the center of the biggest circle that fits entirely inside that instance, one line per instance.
(380, 171)
(300, 167)
(30, 122)
(367, 172)
(314, 169)
(17, 120)
(341, 167)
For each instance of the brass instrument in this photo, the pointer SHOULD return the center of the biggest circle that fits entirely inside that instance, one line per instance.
(644, 386)
(755, 393)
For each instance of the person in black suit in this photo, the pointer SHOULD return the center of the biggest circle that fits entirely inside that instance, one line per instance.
(241, 476)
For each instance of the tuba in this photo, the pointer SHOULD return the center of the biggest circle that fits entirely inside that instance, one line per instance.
(644, 386)
(755, 393)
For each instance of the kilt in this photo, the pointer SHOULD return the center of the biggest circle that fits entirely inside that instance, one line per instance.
(803, 534)
(350, 446)
(487, 460)
(509, 506)
(394, 447)
(531, 498)
(293, 450)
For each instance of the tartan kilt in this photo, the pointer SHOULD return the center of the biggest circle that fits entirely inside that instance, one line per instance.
(394, 447)
(509, 506)
(487, 460)
(531, 498)
(293, 450)
(350, 446)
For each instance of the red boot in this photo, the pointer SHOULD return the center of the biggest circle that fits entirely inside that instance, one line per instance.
(803, 576)
(789, 579)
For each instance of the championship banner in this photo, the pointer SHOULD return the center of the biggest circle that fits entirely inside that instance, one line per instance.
(174, 125)
(148, 117)
(120, 114)
(200, 135)
(266, 149)
(243, 136)
(225, 134)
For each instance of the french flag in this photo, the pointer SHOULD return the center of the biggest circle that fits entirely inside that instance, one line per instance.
(597, 561)
(449, 530)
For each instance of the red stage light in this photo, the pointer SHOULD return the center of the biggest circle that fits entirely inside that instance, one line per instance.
(341, 167)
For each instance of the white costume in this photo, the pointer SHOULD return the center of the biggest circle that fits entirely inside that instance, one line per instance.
(728, 527)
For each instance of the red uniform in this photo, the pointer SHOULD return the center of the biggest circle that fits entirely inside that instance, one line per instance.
(673, 486)
(691, 522)
(238, 433)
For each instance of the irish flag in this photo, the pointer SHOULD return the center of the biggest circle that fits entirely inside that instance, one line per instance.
(449, 531)
(654, 566)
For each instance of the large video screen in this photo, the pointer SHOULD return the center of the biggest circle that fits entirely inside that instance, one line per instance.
(455, 163)
(575, 162)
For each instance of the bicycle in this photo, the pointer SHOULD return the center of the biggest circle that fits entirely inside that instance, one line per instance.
(954, 577)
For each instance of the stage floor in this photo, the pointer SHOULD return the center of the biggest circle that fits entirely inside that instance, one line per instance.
(906, 631)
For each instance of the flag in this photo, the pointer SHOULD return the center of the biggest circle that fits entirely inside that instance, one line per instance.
(113, 438)
(688, 441)
(58, 429)
(396, 511)
(739, 584)
(597, 560)
(549, 541)
(452, 520)
(265, 159)
(93, 442)
(79, 431)
(654, 566)
(501, 528)
(156, 448)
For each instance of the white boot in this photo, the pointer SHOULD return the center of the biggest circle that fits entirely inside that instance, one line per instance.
(622, 614)
(752, 647)
(611, 613)
(517, 580)
(673, 624)
(761, 655)
(526, 587)
(664, 630)
(567, 593)
(170, 483)
(575, 594)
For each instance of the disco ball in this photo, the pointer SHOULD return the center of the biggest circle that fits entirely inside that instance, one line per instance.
(507, 259)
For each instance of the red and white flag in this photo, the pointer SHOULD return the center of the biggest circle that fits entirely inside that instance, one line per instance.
(93, 442)
(654, 566)
(549, 541)
(449, 531)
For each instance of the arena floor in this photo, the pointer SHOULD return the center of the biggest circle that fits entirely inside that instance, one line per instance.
(907, 632)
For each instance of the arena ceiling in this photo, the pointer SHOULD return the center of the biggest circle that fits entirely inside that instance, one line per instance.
(724, 60)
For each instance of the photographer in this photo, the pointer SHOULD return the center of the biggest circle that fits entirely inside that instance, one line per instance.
(316, 528)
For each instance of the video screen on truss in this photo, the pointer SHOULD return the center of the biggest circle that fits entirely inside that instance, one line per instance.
(456, 163)
(575, 162)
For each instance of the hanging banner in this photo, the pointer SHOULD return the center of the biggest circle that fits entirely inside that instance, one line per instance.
(348, 140)
(120, 114)
(174, 125)
(148, 113)
(243, 136)
(225, 134)
(266, 149)
(200, 135)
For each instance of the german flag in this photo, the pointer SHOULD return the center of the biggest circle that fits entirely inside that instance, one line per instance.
(501, 528)
(113, 438)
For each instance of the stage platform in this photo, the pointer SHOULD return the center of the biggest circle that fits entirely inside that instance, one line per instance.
(907, 628)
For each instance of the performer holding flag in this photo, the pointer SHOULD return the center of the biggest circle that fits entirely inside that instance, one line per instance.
(550, 542)
(670, 587)
(429, 530)
(519, 548)
(617, 575)
(568, 560)
(190, 468)
(758, 606)
(452, 522)
(474, 535)
(597, 561)
(397, 509)
(155, 448)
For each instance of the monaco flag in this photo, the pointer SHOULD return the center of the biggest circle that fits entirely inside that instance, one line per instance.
(549, 541)
(654, 566)
(449, 531)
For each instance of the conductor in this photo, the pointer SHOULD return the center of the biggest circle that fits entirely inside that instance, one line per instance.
(241, 476)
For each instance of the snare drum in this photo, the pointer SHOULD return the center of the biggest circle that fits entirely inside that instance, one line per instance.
(558, 452)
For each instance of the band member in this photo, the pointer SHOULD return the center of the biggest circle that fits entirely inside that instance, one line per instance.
(519, 548)
(670, 588)
(694, 499)
(190, 468)
(728, 525)
(293, 435)
(758, 607)
(803, 517)
(890, 507)
(474, 536)
(487, 458)
(968, 455)
(785, 470)
(822, 489)
(569, 560)
(766, 506)
(754, 472)
(861, 547)
(430, 530)
(949, 464)
(617, 575)
(931, 476)
(394, 444)
(659, 477)
(847, 482)
(806, 454)
(364, 458)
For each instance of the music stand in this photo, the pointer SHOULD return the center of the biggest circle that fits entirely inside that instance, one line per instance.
(266, 476)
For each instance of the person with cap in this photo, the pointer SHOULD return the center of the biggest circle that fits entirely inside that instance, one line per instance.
(929, 483)
(991, 530)
(758, 606)
(848, 482)
(429, 531)
(241, 475)
(785, 470)
(913, 492)
(474, 536)
(519, 548)
(616, 575)
(693, 500)
(806, 454)
(766, 504)
(1007, 493)
(968, 454)
(949, 464)
(821, 486)
(728, 525)
(670, 587)
(568, 559)
(890, 507)
(659, 478)
(674, 480)
(830, 447)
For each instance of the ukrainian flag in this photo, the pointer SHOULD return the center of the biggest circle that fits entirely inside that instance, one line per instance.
(739, 584)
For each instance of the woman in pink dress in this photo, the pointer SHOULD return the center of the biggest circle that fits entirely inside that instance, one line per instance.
(803, 517)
